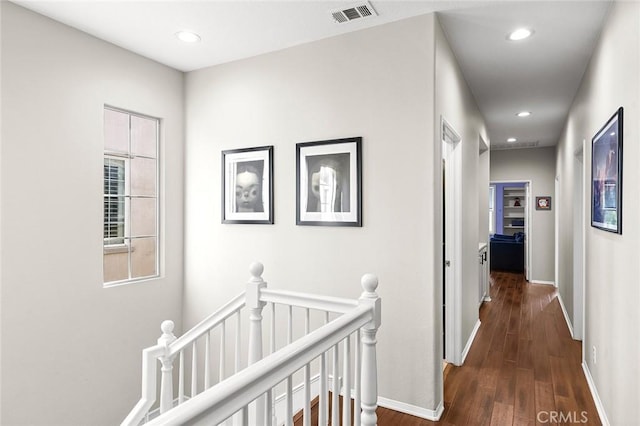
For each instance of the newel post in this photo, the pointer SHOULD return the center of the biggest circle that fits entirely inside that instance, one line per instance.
(255, 305)
(369, 369)
(166, 385)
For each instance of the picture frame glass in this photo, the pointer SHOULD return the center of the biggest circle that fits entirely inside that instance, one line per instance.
(247, 186)
(328, 183)
(606, 176)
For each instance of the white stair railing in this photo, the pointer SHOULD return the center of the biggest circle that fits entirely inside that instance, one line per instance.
(248, 397)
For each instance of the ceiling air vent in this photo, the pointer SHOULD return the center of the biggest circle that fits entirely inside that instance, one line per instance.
(512, 145)
(359, 11)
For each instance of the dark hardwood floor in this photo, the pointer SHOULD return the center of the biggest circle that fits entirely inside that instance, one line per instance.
(522, 369)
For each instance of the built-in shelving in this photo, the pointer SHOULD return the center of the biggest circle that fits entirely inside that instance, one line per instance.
(513, 210)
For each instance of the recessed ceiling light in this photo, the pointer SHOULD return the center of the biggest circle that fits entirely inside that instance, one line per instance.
(188, 36)
(520, 34)
(613, 133)
(512, 140)
(523, 114)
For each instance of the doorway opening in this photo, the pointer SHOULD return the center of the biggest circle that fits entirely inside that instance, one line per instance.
(510, 242)
(451, 243)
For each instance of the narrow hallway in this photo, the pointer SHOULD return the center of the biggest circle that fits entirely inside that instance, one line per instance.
(523, 367)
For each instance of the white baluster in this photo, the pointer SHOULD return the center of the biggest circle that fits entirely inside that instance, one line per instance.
(307, 396)
(272, 345)
(288, 421)
(271, 397)
(335, 385)
(223, 339)
(357, 405)
(194, 369)
(323, 406)
(166, 387)
(181, 379)
(244, 417)
(238, 338)
(255, 305)
(369, 363)
(207, 360)
(269, 414)
(346, 398)
(307, 378)
(290, 325)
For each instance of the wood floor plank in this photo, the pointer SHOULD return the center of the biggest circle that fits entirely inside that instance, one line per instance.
(511, 347)
(506, 388)
(525, 354)
(502, 414)
(482, 406)
(461, 406)
(524, 407)
(490, 370)
(544, 396)
(561, 378)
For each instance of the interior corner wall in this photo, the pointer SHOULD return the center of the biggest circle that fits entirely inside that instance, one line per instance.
(611, 294)
(538, 166)
(71, 349)
(375, 83)
(455, 103)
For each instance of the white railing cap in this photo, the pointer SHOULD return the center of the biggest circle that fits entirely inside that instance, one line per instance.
(369, 283)
(256, 269)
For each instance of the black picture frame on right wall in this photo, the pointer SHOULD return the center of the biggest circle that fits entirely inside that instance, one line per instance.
(606, 175)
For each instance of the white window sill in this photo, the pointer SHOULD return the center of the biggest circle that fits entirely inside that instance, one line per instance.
(120, 248)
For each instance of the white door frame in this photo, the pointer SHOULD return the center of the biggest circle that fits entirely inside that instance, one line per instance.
(528, 241)
(580, 195)
(452, 155)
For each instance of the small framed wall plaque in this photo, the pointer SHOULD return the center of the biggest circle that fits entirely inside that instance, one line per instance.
(543, 203)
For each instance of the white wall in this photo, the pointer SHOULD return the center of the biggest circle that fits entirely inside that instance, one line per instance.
(538, 166)
(378, 84)
(612, 264)
(71, 349)
(455, 103)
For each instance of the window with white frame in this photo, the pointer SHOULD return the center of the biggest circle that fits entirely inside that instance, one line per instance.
(130, 220)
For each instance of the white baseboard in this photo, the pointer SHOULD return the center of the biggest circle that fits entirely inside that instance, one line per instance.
(594, 393)
(532, 281)
(413, 410)
(298, 401)
(467, 347)
(566, 316)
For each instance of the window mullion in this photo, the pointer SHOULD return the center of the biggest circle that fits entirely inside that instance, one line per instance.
(127, 201)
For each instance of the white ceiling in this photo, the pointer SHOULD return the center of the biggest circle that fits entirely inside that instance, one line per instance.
(540, 74)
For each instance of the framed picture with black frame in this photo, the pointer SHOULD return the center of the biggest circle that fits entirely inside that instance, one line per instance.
(247, 185)
(329, 182)
(606, 175)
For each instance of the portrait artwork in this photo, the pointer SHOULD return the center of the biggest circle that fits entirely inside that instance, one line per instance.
(247, 185)
(606, 176)
(328, 182)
